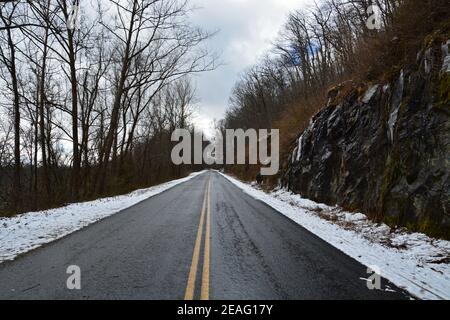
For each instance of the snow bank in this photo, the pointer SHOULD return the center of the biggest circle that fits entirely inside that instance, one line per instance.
(412, 261)
(28, 231)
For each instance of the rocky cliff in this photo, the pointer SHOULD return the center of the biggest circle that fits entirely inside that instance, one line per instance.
(383, 149)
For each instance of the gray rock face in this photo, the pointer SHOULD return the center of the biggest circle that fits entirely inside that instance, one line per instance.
(385, 152)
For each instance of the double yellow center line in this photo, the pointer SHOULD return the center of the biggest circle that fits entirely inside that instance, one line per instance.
(206, 210)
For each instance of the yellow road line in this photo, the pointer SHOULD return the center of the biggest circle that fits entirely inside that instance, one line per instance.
(189, 295)
(206, 259)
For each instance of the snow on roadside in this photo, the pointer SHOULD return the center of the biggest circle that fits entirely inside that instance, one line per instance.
(412, 261)
(28, 231)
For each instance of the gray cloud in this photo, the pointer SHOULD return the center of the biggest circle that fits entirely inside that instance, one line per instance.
(246, 30)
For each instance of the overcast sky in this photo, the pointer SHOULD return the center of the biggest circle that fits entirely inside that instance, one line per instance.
(246, 30)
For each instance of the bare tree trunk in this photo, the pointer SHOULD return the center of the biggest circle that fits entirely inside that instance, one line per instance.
(16, 109)
(75, 188)
(106, 150)
(42, 102)
(36, 144)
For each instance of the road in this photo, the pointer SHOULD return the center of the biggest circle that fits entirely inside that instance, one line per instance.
(203, 239)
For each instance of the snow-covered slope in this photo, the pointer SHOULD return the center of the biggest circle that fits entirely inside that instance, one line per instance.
(413, 261)
(28, 231)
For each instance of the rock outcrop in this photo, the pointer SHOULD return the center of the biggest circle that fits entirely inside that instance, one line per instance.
(383, 150)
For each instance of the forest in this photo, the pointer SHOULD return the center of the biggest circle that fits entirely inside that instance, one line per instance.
(88, 105)
(90, 93)
(336, 43)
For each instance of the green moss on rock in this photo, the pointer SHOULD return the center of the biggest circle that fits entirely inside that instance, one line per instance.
(431, 228)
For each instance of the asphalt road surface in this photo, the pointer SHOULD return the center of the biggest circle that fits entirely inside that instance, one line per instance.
(203, 239)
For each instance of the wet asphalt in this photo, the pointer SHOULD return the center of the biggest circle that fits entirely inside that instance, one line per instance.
(146, 252)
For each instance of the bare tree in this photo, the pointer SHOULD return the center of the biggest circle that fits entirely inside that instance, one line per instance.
(8, 59)
(166, 53)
